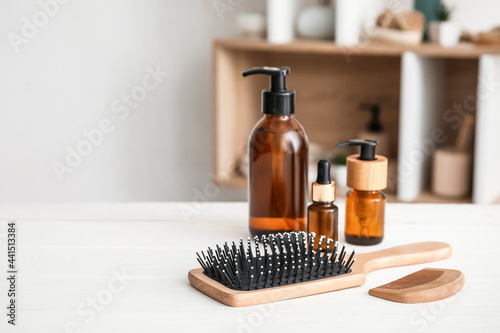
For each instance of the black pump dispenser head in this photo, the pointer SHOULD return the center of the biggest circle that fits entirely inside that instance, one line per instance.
(277, 100)
(374, 125)
(323, 172)
(367, 148)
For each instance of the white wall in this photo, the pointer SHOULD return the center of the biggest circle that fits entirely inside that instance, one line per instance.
(64, 79)
(477, 15)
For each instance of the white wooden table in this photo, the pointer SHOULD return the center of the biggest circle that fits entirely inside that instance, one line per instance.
(123, 268)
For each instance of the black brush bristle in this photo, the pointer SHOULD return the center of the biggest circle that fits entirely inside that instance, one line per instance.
(287, 258)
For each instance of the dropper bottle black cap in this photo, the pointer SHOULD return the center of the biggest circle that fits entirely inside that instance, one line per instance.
(323, 177)
(323, 189)
(278, 100)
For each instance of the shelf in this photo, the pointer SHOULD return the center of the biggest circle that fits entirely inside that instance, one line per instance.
(239, 182)
(428, 197)
(417, 88)
(463, 50)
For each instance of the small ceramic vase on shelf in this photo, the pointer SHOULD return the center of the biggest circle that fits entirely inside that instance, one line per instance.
(317, 22)
(443, 31)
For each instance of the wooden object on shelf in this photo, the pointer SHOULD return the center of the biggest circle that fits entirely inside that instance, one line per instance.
(491, 37)
(393, 36)
(391, 19)
(395, 27)
(451, 172)
(452, 167)
(465, 133)
(426, 285)
(367, 262)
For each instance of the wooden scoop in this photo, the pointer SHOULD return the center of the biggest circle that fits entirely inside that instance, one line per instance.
(366, 262)
(426, 285)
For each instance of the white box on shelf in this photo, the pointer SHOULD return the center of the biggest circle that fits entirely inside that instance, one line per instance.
(486, 184)
(421, 105)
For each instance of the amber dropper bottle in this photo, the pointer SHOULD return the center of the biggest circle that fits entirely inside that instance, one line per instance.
(365, 203)
(322, 214)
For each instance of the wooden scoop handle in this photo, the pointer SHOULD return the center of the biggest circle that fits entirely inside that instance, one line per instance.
(403, 255)
(464, 133)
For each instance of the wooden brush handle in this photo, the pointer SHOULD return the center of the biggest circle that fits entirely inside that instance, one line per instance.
(403, 255)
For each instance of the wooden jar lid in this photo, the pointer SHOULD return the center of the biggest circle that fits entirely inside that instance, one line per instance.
(367, 175)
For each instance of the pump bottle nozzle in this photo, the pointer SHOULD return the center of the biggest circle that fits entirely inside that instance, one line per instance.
(278, 100)
(374, 125)
(278, 75)
(367, 148)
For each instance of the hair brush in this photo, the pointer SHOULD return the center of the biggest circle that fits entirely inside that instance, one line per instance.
(284, 266)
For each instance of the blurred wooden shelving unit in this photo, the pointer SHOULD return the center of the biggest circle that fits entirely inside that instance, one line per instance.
(415, 87)
(461, 51)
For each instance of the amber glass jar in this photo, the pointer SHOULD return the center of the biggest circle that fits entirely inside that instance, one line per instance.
(322, 218)
(364, 217)
(278, 152)
(322, 214)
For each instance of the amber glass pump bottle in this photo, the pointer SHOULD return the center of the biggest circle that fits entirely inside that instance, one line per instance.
(322, 214)
(365, 203)
(277, 158)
